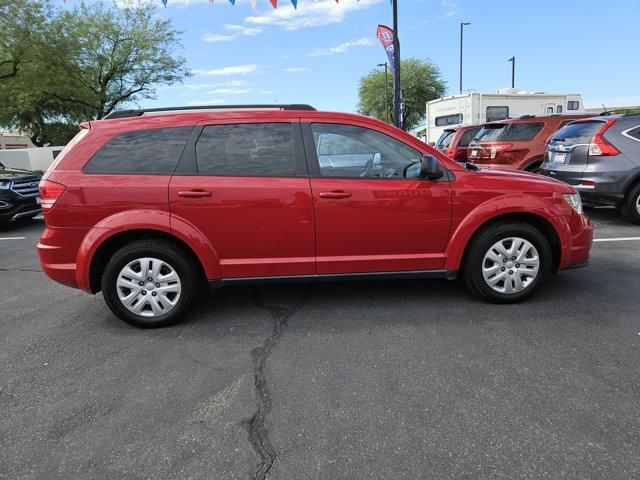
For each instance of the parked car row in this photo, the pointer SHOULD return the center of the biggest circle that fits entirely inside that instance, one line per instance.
(149, 206)
(598, 155)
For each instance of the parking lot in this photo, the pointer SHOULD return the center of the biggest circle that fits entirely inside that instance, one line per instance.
(387, 379)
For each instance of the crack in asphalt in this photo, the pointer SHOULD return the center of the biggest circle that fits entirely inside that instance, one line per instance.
(256, 428)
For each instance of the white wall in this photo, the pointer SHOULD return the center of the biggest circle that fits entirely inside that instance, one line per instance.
(29, 158)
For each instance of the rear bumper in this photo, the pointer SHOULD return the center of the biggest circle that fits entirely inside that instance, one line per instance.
(57, 251)
(604, 188)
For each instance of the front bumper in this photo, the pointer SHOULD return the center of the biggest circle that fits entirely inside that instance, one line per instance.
(15, 208)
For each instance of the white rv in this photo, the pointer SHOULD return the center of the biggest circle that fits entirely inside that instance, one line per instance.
(477, 108)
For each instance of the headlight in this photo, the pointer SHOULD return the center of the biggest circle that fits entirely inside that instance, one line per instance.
(574, 200)
(4, 185)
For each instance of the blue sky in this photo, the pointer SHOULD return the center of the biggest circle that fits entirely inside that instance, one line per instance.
(317, 53)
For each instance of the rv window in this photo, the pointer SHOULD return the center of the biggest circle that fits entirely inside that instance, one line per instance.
(573, 105)
(497, 113)
(454, 119)
(559, 109)
(549, 110)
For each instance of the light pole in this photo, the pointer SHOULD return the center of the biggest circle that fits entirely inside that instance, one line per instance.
(513, 71)
(462, 24)
(397, 96)
(386, 82)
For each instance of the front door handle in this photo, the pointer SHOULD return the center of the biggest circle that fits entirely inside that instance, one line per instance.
(194, 193)
(334, 194)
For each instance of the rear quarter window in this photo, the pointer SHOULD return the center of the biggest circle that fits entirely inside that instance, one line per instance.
(445, 140)
(141, 151)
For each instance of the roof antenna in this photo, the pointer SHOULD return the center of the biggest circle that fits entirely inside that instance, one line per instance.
(605, 109)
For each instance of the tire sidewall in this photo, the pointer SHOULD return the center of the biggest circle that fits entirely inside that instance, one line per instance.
(630, 210)
(126, 255)
(515, 230)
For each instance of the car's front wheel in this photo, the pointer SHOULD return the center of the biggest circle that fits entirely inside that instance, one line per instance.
(149, 283)
(507, 262)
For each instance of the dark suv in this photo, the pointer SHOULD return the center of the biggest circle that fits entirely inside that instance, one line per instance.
(19, 197)
(601, 158)
(515, 144)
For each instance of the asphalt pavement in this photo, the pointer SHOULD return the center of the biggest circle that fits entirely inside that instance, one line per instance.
(358, 380)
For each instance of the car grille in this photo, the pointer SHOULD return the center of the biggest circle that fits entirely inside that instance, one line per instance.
(26, 188)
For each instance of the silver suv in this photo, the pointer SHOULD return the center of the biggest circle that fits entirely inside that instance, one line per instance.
(600, 157)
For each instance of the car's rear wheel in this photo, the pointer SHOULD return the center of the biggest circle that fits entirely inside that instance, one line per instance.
(150, 283)
(630, 209)
(507, 262)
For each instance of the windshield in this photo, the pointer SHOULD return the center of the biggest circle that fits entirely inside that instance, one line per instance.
(501, 132)
(577, 133)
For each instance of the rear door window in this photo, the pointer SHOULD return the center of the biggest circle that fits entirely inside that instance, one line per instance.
(445, 140)
(247, 150)
(576, 133)
(141, 151)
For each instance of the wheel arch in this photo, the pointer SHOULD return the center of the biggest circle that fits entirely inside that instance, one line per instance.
(113, 243)
(534, 161)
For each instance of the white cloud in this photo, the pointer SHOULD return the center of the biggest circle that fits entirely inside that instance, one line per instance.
(210, 101)
(216, 37)
(297, 69)
(310, 14)
(235, 70)
(342, 48)
(229, 91)
(243, 30)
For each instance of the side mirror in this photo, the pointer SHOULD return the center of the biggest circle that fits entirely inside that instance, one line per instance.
(430, 168)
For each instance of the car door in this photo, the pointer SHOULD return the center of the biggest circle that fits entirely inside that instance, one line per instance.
(369, 216)
(245, 185)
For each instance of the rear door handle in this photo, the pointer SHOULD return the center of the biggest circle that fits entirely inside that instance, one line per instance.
(194, 193)
(334, 194)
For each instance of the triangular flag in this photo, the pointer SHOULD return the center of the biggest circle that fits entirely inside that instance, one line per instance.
(253, 4)
(233, 2)
(294, 3)
(274, 3)
(210, 1)
(164, 2)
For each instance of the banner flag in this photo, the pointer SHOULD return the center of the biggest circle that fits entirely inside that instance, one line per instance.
(233, 2)
(274, 3)
(164, 2)
(253, 4)
(385, 37)
(294, 3)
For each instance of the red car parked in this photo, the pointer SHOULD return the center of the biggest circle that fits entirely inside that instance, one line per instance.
(454, 141)
(516, 144)
(149, 205)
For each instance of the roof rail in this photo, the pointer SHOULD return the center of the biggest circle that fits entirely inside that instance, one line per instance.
(142, 111)
(527, 116)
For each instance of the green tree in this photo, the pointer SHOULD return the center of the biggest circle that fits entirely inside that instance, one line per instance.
(420, 82)
(82, 64)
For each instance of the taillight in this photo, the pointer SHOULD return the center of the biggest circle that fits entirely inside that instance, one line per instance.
(496, 149)
(599, 145)
(49, 193)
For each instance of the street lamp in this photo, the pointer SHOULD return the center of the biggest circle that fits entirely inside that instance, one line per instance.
(386, 82)
(462, 24)
(513, 71)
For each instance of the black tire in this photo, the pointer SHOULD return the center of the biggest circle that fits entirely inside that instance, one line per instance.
(482, 243)
(180, 261)
(630, 209)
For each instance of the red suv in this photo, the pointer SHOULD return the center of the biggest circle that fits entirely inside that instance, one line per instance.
(516, 144)
(454, 141)
(149, 205)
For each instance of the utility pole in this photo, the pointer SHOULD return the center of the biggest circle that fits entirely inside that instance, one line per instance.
(386, 98)
(513, 71)
(462, 24)
(397, 97)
